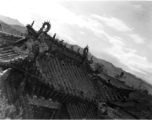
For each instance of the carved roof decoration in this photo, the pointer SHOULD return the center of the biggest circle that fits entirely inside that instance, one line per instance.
(54, 45)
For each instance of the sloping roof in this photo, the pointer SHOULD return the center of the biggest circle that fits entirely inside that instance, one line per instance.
(67, 76)
(71, 78)
(63, 68)
(6, 51)
(80, 110)
(8, 29)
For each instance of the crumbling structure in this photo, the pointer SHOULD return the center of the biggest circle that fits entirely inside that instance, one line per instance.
(51, 81)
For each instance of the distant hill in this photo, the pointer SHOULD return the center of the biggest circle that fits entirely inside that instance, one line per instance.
(7, 28)
(14, 23)
(10, 21)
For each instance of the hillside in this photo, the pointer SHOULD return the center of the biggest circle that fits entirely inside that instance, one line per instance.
(7, 28)
(15, 27)
(10, 21)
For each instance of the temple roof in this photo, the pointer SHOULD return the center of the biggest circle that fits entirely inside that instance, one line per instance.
(63, 68)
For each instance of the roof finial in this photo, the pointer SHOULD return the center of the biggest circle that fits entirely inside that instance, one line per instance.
(85, 51)
(71, 47)
(32, 23)
(54, 36)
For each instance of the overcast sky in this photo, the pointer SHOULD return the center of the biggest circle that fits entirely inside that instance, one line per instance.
(119, 32)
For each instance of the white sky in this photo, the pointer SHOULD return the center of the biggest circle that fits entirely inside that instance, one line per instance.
(119, 32)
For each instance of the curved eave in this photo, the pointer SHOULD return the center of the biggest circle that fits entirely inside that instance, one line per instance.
(115, 82)
(112, 85)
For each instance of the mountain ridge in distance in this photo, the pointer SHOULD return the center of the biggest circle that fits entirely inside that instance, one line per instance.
(10, 21)
(14, 23)
(8, 29)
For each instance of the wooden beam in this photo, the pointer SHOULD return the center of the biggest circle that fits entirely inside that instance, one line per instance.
(20, 89)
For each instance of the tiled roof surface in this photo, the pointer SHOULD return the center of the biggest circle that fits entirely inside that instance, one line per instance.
(74, 79)
(70, 78)
(79, 111)
(6, 51)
